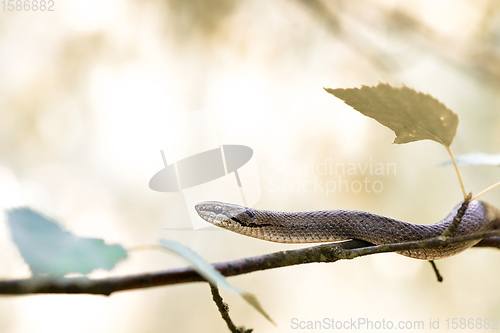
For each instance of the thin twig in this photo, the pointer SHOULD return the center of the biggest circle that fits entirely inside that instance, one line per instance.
(434, 267)
(224, 311)
(457, 219)
(485, 191)
(320, 253)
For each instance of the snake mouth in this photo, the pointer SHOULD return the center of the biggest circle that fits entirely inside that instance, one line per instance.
(218, 213)
(222, 214)
(205, 212)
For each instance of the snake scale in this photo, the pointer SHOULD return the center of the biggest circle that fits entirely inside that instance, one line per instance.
(340, 225)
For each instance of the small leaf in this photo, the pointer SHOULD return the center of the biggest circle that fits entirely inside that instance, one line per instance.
(476, 159)
(211, 274)
(410, 114)
(50, 249)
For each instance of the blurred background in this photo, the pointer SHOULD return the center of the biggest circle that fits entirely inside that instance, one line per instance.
(87, 91)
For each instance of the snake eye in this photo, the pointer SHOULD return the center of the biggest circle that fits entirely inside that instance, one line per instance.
(217, 209)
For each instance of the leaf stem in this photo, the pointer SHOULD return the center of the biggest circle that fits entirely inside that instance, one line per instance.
(485, 191)
(458, 173)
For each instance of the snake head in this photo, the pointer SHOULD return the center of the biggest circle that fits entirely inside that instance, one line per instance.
(222, 214)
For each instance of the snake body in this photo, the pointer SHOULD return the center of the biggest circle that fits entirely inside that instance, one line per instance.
(340, 225)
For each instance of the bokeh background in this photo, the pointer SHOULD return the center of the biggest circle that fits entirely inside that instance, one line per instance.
(86, 92)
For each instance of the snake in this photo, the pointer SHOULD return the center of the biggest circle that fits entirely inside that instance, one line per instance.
(343, 225)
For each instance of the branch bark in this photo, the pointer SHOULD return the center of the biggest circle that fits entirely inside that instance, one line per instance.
(321, 253)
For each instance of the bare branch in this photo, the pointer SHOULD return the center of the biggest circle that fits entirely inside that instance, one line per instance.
(493, 241)
(224, 311)
(321, 253)
(453, 227)
(436, 271)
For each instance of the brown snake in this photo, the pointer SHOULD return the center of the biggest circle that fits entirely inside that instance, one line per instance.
(339, 225)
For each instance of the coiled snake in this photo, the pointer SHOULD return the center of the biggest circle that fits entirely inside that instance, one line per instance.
(339, 225)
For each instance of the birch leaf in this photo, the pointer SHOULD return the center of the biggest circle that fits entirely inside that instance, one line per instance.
(412, 115)
(50, 249)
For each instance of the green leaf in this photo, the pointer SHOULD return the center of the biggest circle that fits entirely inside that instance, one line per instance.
(410, 114)
(476, 159)
(211, 274)
(50, 249)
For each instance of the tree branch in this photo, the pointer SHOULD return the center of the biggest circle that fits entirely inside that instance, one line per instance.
(321, 253)
(224, 311)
